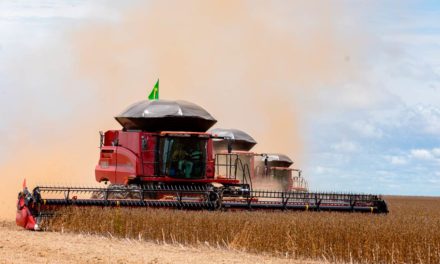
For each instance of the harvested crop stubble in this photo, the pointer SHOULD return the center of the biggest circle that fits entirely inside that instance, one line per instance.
(409, 234)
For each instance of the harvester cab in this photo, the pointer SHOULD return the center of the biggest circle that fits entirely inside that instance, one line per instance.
(261, 171)
(275, 171)
(184, 156)
(159, 158)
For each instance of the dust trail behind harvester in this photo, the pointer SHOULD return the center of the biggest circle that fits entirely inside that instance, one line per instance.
(256, 66)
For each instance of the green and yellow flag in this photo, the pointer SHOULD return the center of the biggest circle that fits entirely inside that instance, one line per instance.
(154, 95)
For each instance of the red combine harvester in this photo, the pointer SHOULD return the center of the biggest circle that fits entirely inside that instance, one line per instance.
(163, 157)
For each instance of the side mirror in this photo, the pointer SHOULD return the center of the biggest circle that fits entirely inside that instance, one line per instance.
(144, 143)
(101, 139)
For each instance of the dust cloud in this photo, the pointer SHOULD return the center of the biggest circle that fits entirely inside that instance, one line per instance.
(255, 66)
(258, 66)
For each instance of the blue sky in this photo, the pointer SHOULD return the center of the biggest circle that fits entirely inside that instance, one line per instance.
(380, 133)
(392, 146)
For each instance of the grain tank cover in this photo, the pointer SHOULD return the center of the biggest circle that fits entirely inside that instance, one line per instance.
(165, 115)
(240, 139)
(278, 160)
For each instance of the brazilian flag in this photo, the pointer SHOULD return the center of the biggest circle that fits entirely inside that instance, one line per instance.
(154, 95)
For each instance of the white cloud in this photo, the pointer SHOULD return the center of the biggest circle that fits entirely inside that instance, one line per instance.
(323, 170)
(434, 181)
(423, 154)
(46, 9)
(397, 160)
(431, 119)
(413, 39)
(426, 154)
(345, 146)
(419, 119)
(367, 130)
(27, 9)
(436, 152)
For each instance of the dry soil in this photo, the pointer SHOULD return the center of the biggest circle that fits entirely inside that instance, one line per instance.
(20, 246)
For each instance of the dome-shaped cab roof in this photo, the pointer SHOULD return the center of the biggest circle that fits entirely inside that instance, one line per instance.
(240, 140)
(277, 160)
(166, 115)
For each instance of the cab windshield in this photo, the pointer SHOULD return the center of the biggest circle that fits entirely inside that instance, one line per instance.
(183, 157)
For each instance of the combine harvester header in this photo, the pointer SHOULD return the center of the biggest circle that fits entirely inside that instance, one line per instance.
(164, 157)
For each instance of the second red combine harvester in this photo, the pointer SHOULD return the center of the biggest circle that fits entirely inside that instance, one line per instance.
(164, 157)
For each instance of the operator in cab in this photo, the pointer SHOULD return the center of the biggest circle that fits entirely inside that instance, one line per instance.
(184, 164)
